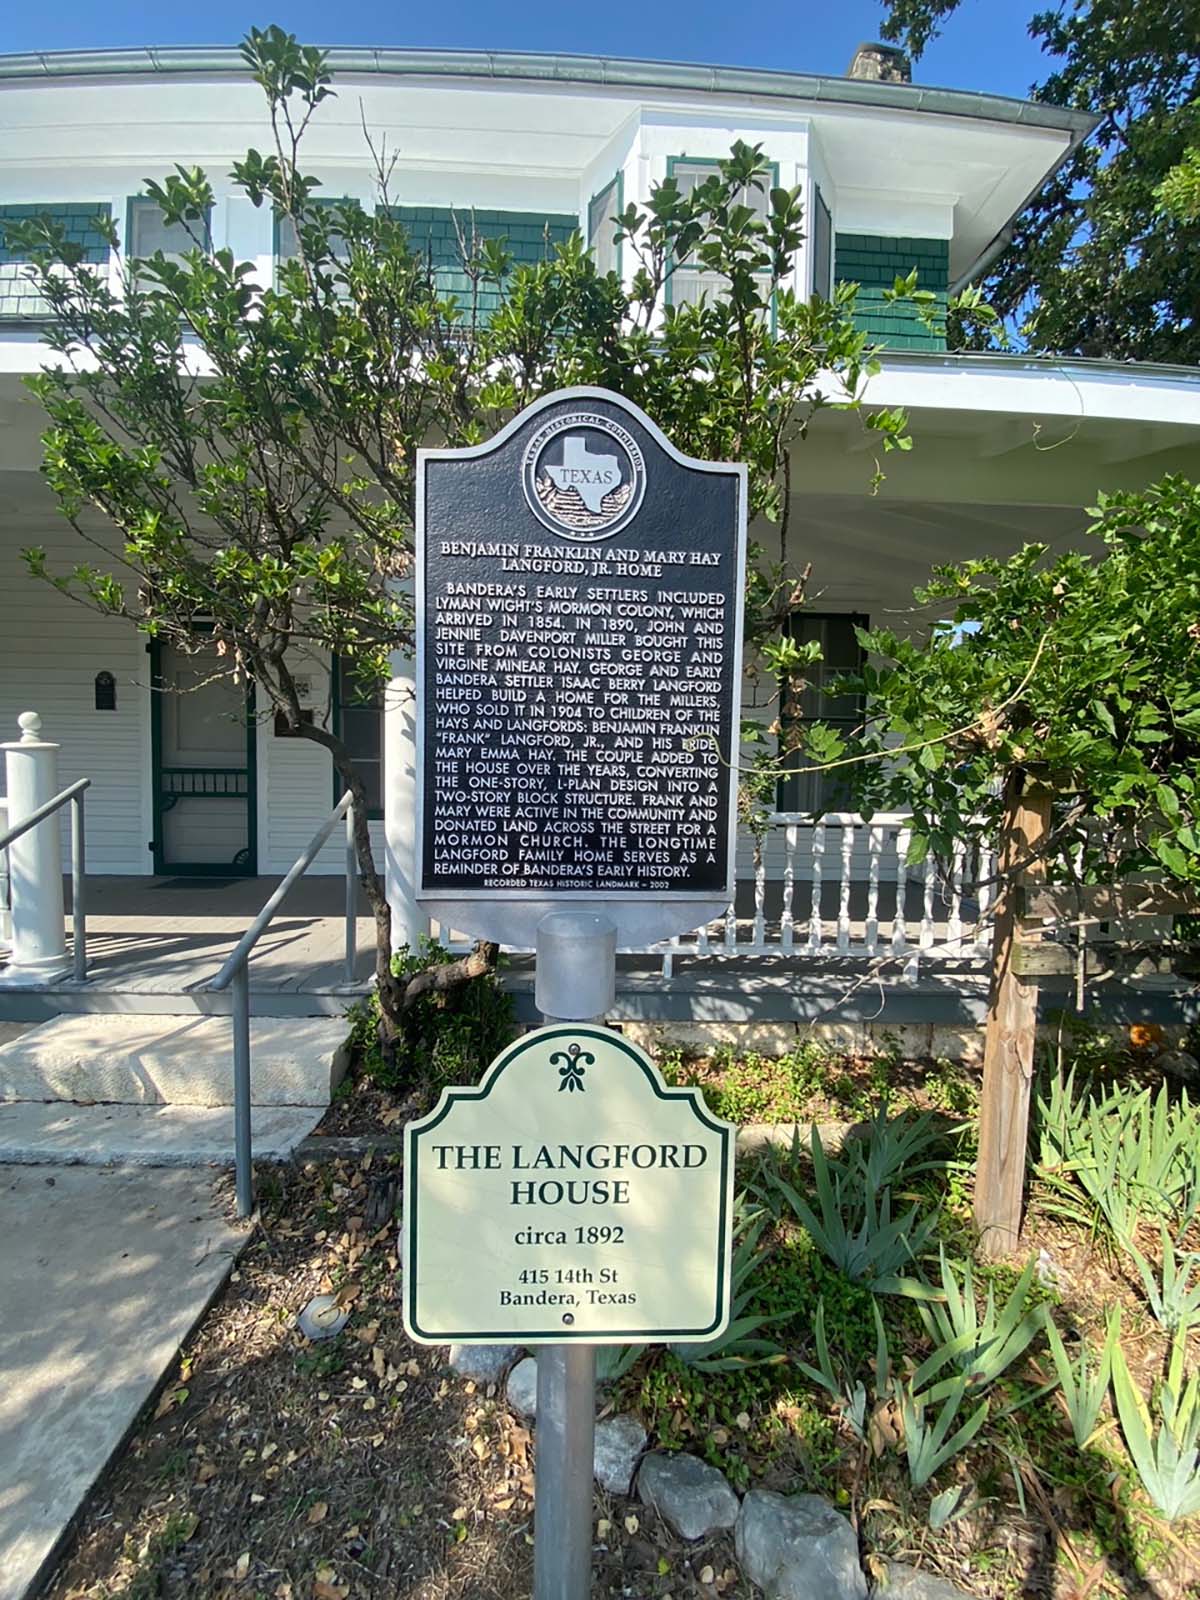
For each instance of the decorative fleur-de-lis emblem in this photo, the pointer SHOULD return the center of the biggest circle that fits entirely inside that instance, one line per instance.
(571, 1072)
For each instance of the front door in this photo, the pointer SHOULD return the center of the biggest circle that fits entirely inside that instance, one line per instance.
(203, 765)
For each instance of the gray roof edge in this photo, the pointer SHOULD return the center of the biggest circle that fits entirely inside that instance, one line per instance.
(601, 71)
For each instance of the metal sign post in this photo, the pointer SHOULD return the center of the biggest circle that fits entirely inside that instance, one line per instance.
(575, 981)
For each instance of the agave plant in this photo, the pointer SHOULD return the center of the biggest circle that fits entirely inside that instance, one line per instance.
(1167, 1457)
(1120, 1158)
(980, 1347)
(893, 1148)
(853, 1223)
(929, 1445)
(1173, 1294)
(848, 1391)
(1083, 1386)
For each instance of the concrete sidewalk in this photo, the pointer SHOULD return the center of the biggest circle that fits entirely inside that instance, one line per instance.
(103, 1273)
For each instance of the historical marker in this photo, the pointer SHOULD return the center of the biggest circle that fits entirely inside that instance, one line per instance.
(571, 1196)
(579, 658)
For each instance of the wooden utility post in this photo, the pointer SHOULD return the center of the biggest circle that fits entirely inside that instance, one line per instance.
(1011, 1028)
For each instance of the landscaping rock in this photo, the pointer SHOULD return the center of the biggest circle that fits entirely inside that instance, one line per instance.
(907, 1583)
(692, 1496)
(522, 1388)
(619, 1443)
(486, 1363)
(797, 1547)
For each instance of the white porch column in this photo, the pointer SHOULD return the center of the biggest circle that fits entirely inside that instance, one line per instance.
(39, 951)
(400, 765)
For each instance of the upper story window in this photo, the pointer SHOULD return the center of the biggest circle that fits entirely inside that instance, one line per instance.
(287, 246)
(821, 245)
(81, 222)
(690, 281)
(149, 232)
(603, 211)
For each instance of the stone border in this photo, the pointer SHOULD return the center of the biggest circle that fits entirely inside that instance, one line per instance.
(794, 1547)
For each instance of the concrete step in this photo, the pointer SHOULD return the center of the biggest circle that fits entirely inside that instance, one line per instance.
(155, 1060)
(54, 1133)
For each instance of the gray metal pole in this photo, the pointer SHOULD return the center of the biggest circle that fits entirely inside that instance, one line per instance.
(243, 1170)
(351, 895)
(562, 1516)
(78, 889)
(575, 981)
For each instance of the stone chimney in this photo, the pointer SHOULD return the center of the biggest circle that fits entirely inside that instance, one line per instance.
(880, 63)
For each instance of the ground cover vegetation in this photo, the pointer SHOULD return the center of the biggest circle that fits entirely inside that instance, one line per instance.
(1103, 261)
(253, 445)
(1022, 1428)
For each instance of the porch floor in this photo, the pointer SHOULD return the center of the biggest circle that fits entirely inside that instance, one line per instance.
(154, 944)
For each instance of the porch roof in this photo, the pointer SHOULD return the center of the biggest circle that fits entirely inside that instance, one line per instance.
(1059, 385)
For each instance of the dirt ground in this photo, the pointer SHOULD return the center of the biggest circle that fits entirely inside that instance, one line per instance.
(275, 1469)
(359, 1467)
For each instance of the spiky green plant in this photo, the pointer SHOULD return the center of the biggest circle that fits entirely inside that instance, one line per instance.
(929, 1445)
(1173, 1294)
(741, 1344)
(1167, 1456)
(1117, 1159)
(853, 1223)
(849, 1391)
(980, 1347)
(1083, 1385)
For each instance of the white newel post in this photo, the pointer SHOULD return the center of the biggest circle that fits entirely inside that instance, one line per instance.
(39, 950)
(400, 801)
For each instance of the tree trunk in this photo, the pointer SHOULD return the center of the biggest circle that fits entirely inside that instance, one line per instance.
(1011, 1029)
(395, 996)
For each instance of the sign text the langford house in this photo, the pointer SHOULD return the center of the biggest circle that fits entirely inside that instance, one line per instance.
(581, 597)
(573, 1195)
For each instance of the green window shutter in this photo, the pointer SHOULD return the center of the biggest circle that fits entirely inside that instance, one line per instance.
(874, 262)
(18, 298)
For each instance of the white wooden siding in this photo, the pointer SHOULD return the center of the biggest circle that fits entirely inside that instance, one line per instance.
(296, 792)
(51, 649)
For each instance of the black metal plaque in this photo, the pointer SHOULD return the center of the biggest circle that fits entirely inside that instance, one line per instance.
(579, 656)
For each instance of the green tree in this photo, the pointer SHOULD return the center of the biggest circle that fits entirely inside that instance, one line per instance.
(1097, 265)
(254, 445)
(1079, 673)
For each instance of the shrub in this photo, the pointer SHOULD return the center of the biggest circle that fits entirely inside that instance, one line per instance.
(448, 1037)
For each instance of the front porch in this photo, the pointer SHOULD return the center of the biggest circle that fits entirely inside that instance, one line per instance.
(809, 941)
(154, 944)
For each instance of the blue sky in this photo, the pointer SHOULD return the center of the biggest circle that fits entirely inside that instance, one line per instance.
(985, 47)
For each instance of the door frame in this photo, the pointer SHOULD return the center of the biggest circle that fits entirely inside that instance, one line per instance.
(206, 869)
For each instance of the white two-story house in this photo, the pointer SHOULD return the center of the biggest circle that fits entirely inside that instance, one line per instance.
(1008, 448)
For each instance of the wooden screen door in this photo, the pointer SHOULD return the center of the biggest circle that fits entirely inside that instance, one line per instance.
(203, 766)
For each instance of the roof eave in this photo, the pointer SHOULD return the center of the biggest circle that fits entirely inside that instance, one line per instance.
(596, 71)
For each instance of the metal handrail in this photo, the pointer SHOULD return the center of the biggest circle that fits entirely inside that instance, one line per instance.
(74, 794)
(235, 972)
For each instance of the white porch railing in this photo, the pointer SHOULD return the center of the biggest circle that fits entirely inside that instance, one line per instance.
(840, 890)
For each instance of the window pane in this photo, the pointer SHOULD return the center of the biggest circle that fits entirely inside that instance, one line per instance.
(148, 232)
(361, 731)
(689, 175)
(806, 790)
(371, 773)
(287, 246)
(359, 725)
